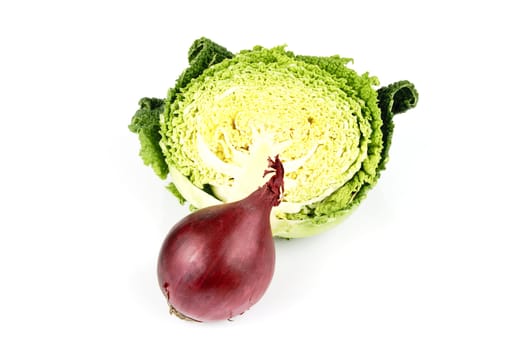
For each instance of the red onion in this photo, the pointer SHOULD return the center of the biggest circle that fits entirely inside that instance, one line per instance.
(218, 261)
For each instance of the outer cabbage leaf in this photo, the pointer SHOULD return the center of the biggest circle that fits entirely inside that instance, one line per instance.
(145, 123)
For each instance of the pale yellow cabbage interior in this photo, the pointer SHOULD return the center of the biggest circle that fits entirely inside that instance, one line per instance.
(230, 126)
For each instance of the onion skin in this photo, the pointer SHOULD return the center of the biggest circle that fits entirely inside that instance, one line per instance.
(219, 261)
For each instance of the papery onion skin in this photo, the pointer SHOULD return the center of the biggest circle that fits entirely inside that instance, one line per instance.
(219, 261)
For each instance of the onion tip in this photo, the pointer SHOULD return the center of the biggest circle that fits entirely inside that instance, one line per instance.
(276, 182)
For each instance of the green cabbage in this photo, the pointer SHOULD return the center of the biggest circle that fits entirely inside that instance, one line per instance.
(228, 113)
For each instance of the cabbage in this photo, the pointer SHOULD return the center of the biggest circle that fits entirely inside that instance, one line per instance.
(228, 113)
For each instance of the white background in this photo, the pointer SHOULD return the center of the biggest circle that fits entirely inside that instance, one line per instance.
(433, 259)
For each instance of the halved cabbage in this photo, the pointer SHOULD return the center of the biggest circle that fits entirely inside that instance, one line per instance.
(228, 113)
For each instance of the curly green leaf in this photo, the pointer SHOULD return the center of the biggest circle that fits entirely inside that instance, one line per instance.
(201, 55)
(145, 123)
(394, 99)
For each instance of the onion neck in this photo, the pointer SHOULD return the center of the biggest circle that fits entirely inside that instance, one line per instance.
(275, 186)
(269, 195)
